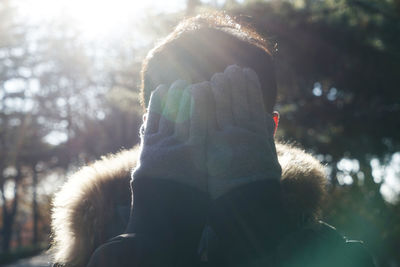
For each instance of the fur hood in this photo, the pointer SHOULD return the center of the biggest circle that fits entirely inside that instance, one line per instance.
(93, 205)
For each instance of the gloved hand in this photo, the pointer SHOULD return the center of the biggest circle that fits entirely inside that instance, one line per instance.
(170, 182)
(246, 213)
(173, 139)
(240, 148)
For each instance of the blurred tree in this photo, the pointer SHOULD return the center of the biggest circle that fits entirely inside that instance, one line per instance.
(36, 156)
(12, 58)
(337, 67)
(67, 93)
(22, 144)
(23, 148)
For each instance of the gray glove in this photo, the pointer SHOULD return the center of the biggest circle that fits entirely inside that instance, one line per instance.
(240, 145)
(173, 138)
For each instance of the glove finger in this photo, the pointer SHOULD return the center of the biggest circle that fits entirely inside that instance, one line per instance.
(240, 108)
(212, 124)
(222, 96)
(255, 98)
(183, 118)
(155, 109)
(168, 118)
(199, 107)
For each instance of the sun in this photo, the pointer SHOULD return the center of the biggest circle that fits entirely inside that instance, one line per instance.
(97, 17)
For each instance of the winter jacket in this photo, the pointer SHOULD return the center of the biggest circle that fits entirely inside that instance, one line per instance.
(281, 227)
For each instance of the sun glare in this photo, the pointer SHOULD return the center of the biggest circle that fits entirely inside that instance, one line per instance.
(97, 17)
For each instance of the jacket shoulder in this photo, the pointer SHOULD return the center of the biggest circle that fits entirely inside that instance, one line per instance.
(85, 210)
(321, 245)
(303, 183)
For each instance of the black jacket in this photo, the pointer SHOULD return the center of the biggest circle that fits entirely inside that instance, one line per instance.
(247, 227)
(268, 223)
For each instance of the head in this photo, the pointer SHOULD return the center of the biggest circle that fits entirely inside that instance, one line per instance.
(206, 44)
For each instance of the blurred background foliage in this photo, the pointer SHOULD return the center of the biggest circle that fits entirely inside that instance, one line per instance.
(66, 100)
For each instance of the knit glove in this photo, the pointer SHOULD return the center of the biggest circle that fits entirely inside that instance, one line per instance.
(168, 185)
(240, 147)
(173, 138)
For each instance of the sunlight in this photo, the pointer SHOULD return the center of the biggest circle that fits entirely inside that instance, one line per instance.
(97, 17)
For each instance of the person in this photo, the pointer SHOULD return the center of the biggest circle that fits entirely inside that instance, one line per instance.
(210, 187)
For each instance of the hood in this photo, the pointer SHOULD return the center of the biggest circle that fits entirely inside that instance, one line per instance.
(93, 205)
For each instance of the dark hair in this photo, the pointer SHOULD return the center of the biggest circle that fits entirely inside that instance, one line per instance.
(206, 44)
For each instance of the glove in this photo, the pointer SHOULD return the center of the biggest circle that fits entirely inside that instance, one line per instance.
(240, 149)
(173, 139)
(170, 182)
(244, 173)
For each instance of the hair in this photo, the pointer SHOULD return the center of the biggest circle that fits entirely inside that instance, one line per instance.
(203, 45)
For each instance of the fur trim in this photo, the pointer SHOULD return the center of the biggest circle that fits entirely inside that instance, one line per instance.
(84, 209)
(303, 183)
